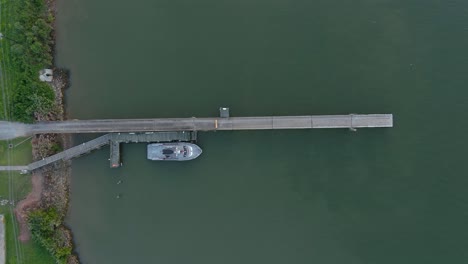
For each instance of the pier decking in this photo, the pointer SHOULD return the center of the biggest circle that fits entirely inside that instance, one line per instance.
(211, 124)
(9, 130)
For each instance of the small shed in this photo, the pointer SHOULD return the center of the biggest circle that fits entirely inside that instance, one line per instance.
(46, 75)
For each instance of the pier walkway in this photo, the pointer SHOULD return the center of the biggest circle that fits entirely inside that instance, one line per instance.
(9, 130)
(210, 124)
(73, 152)
(13, 168)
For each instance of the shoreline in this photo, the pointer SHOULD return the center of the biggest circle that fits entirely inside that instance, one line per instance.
(50, 185)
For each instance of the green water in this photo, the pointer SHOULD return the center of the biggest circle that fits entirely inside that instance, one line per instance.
(324, 196)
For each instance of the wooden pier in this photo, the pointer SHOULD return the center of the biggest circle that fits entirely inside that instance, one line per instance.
(172, 129)
(212, 124)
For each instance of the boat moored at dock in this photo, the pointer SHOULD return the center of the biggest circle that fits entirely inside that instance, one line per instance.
(176, 151)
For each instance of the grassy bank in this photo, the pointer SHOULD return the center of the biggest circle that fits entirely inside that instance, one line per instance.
(30, 252)
(26, 48)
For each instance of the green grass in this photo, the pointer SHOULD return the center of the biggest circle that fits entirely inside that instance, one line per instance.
(21, 185)
(19, 155)
(31, 252)
(20, 85)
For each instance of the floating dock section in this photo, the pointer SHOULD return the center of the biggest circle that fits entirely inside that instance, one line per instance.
(114, 159)
(149, 137)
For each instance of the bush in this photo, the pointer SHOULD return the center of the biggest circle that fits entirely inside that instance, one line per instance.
(55, 148)
(45, 229)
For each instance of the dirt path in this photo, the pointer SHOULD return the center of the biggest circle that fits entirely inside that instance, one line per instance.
(31, 201)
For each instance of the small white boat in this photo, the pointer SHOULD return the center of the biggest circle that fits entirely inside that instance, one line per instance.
(177, 151)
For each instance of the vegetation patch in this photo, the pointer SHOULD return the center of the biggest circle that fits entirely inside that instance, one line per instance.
(31, 252)
(14, 187)
(30, 41)
(27, 26)
(46, 229)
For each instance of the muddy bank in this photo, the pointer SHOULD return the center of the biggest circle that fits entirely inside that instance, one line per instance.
(29, 203)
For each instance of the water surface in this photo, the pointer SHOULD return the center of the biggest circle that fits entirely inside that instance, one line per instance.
(330, 196)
